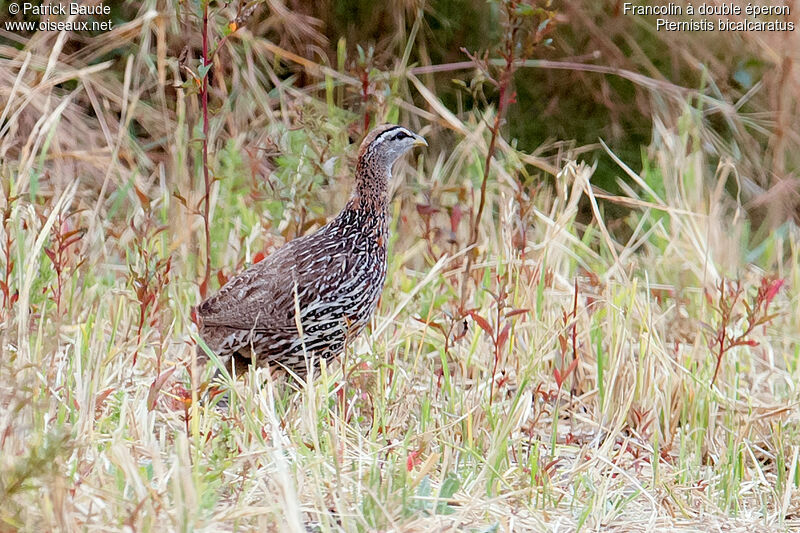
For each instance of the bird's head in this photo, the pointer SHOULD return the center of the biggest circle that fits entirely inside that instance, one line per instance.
(385, 144)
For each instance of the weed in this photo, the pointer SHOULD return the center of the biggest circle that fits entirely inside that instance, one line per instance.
(7, 241)
(63, 237)
(735, 328)
(149, 275)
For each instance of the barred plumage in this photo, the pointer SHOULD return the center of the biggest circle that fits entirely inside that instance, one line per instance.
(335, 274)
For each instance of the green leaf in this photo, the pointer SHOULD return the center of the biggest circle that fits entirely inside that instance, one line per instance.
(341, 53)
(449, 487)
(202, 70)
(422, 501)
(424, 489)
(542, 25)
(524, 10)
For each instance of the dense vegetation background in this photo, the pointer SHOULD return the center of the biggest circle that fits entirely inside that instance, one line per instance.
(590, 320)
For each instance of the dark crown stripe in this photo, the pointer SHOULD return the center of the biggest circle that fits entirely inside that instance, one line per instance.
(390, 130)
(383, 136)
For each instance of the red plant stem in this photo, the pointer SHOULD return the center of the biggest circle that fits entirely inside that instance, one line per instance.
(505, 81)
(57, 289)
(206, 180)
(142, 314)
(720, 355)
(505, 78)
(7, 273)
(575, 323)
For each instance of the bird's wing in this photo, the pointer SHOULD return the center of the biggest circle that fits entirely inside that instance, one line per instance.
(263, 296)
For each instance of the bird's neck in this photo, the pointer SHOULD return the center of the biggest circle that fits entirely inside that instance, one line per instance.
(371, 188)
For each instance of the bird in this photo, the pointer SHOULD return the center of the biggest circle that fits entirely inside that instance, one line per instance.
(333, 277)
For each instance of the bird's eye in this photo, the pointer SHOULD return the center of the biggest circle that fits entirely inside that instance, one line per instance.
(401, 135)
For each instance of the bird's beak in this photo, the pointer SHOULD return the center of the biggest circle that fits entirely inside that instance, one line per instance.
(420, 141)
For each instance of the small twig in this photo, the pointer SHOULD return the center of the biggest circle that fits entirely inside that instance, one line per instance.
(206, 179)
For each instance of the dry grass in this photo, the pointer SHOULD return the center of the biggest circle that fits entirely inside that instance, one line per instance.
(595, 410)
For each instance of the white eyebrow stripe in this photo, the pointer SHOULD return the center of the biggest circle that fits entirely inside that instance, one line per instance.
(394, 130)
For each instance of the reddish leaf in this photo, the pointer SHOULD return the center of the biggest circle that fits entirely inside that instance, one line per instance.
(101, 397)
(67, 235)
(766, 319)
(773, 288)
(434, 325)
(561, 376)
(455, 217)
(221, 278)
(140, 289)
(426, 210)
(503, 337)
(155, 387)
(203, 288)
(258, 257)
(562, 341)
(71, 241)
(145, 201)
(482, 322)
(551, 464)
(557, 376)
(180, 198)
(213, 391)
(572, 366)
(516, 312)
